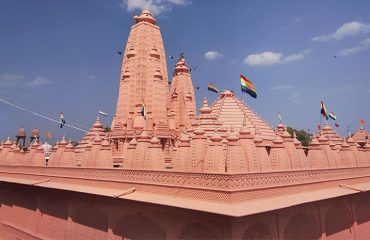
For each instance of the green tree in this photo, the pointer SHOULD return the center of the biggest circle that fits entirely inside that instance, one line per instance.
(107, 129)
(302, 136)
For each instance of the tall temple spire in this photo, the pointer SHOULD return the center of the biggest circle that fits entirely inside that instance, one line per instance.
(182, 97)
(143, 75)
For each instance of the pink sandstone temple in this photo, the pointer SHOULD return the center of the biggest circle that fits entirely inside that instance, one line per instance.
(165, 172)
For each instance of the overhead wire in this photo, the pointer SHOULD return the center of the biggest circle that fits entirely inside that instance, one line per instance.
(40, 115)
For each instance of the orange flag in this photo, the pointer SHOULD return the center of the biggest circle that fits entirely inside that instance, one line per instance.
(48, 134)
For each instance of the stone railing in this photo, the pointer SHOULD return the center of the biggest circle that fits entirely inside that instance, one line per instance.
(204, 181)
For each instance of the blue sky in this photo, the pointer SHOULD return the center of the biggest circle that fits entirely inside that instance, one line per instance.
(62, 56)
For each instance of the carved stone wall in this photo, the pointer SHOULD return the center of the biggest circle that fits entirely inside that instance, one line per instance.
(28, 212)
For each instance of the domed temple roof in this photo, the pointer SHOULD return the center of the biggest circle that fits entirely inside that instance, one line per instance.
(361, 136)
(328, 132)
(232, 112)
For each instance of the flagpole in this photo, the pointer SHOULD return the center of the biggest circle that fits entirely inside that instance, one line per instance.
(205, 95)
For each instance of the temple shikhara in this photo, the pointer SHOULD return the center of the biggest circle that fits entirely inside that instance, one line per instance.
(168, 171)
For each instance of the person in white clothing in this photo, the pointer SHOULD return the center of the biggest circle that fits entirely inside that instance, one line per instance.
(47, 151)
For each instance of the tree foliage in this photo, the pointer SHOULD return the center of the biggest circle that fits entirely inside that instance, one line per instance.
(302, 135)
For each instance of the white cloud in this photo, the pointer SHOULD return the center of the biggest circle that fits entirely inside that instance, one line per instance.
(363, 45)
(11, 77)
(265, 58)
(349, 51)
(296, 57)
(345, 89)
(346, 30)
(212, 55)
(38, 82)
(282, 87)
(296, 97)
(14, 80)
(179, 2)
(365, 42)
(272, 58)
(155, 6)
(10, 80)
(297, 19)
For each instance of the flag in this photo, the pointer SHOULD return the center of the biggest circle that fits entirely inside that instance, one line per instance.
(324, 113)
(48, 134)
(332, 116)
(336, 124)
(279, 117)
(362, 121)
(247, 86)
(62, 121)
(212, 88)
(143, 111)
(103, 113)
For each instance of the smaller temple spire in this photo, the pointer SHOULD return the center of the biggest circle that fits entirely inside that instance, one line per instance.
(35, 136)
(21, 134)
(145, 16)
(182, 96)
(181, 65)
(205, 109)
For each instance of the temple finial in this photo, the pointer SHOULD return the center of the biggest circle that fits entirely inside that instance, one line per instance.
(279, 117)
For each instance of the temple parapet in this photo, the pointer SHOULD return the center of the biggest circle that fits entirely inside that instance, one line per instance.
(201, 149)
(167, 188)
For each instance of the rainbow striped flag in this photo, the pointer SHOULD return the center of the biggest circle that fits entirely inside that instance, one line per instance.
(332, 116)
(247, 86)
(323, 111)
